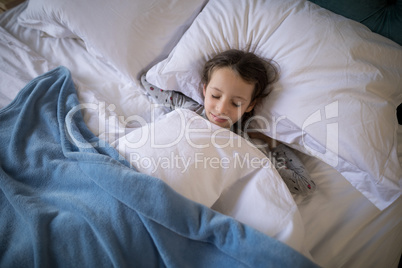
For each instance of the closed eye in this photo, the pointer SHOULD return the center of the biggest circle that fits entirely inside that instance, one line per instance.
(215, 97)
(236, 104)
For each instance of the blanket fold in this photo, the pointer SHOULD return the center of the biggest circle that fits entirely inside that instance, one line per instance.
(69, 200)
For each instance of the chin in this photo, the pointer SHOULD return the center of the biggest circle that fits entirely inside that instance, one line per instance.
(224, 125)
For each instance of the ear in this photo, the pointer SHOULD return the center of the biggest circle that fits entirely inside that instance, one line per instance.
(251, 106)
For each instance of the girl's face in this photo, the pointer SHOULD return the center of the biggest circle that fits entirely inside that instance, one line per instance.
(227, 97)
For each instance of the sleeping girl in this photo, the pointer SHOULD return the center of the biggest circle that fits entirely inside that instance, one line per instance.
(234, 82)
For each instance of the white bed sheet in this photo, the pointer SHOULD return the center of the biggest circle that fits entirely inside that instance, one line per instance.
(342, 228)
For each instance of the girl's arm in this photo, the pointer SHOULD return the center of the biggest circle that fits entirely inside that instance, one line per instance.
(169, 98)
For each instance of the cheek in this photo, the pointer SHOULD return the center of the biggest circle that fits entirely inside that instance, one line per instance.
(238, 113)
(208, 102)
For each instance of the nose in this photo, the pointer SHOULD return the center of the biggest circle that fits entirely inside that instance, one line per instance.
(222, 107)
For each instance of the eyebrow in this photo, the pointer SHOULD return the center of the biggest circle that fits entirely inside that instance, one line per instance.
(235, 97)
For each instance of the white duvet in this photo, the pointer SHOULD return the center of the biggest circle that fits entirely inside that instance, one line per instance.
(204, 162)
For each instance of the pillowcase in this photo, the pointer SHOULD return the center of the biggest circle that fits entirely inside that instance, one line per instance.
(338, 90)
(129, 35)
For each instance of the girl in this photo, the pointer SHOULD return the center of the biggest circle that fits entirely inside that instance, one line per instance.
(234, 82)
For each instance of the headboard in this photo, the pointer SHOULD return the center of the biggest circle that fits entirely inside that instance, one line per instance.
(380, 16)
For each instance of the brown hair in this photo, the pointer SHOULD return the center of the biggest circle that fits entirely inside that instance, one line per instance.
(263, 73)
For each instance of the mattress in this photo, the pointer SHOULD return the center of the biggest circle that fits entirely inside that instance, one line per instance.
(336, 227)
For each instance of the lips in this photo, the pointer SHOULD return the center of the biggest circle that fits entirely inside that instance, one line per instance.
(219, 119)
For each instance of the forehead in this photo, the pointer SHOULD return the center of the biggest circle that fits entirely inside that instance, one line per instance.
(230, 82)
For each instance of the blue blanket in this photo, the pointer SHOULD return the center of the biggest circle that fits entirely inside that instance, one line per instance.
(68, 200)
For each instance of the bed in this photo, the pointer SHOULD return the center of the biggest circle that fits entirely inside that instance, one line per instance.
(95, 173)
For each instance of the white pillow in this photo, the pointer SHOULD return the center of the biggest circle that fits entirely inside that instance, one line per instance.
(337, 95)
(130, 35)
